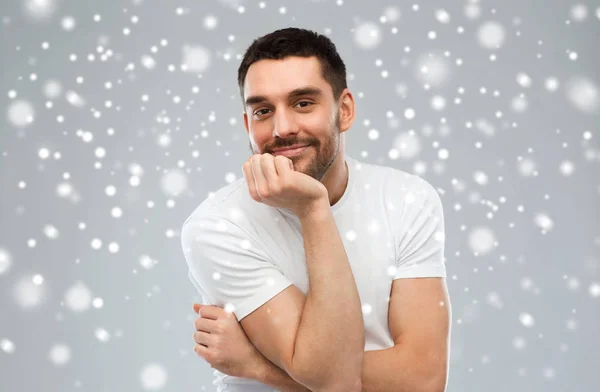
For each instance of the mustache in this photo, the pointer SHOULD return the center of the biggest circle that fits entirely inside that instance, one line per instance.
(288, 145)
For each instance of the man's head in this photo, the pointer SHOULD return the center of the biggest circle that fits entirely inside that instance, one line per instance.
(293, 88)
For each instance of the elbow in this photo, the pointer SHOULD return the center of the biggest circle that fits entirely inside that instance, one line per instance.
(437, 387)
(441, 387)
(435, 373)
(436, 384)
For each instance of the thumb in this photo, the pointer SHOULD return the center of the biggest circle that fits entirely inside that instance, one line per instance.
(196, 308)
(291, 164)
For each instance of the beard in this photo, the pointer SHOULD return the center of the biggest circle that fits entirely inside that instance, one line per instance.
(326, 152)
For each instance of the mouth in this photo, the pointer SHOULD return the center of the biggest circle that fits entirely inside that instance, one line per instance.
(290, 151)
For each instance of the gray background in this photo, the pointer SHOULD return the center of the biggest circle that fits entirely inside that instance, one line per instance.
(520, 184)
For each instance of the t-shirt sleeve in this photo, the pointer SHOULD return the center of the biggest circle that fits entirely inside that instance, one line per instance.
(420, 237)
(227, 266)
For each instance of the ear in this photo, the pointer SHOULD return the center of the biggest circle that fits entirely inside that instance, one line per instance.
(246, 121)
(347, 110)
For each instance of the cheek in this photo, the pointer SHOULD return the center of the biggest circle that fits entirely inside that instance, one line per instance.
(258, 138)
(254, 132)
(316, 125)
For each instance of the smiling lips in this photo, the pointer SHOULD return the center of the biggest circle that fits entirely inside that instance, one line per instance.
(290, 151)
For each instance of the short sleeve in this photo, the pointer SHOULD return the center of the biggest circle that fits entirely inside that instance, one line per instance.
(227, 266)
(420, 238)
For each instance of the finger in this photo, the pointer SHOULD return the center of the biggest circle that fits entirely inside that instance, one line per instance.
(196, 308)
(211, 312)
(283, 166)
(262, 187)
(247, 168)
(203, 338)
(201, 350)
(267, 165)
(205, 324)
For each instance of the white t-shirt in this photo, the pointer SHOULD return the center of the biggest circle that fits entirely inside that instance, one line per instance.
(241, 253)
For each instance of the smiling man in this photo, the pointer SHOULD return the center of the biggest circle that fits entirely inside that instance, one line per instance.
(324, 273)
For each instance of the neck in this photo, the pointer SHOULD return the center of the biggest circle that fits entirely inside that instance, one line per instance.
(336, 179)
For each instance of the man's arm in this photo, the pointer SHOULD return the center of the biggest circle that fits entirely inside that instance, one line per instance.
(420, 315)
(267, 373)
(302, 335)
(419, 310)
(419, 321)
(318, 339)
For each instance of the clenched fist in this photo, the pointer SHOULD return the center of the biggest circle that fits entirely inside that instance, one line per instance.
(272, 180)
(223, 344)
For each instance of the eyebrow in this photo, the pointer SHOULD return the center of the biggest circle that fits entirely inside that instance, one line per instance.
(293, 94)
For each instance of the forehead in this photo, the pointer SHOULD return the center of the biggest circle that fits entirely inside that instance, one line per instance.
(276, 78)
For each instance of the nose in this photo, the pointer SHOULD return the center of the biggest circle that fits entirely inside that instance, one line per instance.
(284, 124)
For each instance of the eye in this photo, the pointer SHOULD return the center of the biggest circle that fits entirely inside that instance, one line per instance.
(259, 113)
(309, 103)
(256, 113)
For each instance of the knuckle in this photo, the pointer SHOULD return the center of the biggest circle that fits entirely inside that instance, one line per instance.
(263, 192)
(282, 160)
(274, 189)
(230, 315)
(284, 181)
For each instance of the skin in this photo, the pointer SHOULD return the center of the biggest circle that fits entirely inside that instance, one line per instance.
(223, 344)
(318, 120)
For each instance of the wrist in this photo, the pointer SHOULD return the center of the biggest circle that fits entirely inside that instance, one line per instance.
(257, 370)
(319, 209)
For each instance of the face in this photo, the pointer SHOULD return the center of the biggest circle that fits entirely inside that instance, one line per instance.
(288, 102)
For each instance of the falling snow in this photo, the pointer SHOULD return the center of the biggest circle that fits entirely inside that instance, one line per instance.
(153, 377)
(119, 119)
(78, 297)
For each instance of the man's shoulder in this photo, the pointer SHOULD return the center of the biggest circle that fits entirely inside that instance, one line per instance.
(412, 191)
(231, 203)
(218, 202)
(396, 184)
(410, 183)
(393, 175)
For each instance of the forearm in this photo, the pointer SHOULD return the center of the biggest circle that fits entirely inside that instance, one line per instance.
(270, 374)
(330, 341)
(392, 369)
(401, 368)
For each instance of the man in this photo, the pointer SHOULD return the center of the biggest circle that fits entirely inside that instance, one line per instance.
(317, 272)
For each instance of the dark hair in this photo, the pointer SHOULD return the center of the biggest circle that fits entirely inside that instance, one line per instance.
(293, 41)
